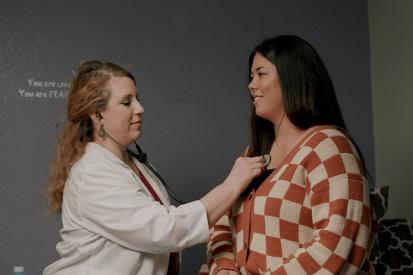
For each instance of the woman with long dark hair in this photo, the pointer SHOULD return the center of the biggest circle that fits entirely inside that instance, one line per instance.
(309, 212)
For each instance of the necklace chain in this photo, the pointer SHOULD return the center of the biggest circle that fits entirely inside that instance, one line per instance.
(276, 133)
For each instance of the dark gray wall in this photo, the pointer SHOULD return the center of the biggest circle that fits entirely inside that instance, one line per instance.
(189, 58)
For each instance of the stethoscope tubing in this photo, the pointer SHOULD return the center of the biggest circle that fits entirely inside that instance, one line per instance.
(142, 158)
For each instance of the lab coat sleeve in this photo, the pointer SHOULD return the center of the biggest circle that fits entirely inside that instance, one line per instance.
(113, 204)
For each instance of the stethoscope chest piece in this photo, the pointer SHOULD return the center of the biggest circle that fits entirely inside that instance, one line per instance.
(266, 159)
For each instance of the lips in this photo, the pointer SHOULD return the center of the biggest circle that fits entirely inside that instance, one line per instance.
(256, 98)
(138, 123)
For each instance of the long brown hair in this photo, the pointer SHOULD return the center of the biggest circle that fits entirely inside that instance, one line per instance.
(88, 94)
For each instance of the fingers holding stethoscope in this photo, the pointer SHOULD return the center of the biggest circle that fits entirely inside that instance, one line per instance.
(256, 165)
(245, 169)
(264, 159)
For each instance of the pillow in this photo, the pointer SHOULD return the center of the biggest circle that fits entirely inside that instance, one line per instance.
(395, 241)
(379, 201)
(392, 251)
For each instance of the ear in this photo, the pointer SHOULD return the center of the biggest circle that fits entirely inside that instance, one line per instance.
(96, 118)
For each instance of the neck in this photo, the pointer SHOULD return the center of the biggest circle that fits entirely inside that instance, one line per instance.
(115, 147)
(286, 134)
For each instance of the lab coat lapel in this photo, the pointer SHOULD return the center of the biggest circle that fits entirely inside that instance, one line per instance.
(154, 182)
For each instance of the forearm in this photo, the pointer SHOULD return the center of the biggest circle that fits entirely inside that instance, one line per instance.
(219, 200)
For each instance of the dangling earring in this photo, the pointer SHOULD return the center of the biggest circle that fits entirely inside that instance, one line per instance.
(101, 132)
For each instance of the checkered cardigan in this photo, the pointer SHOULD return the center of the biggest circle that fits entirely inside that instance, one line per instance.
(311, 215)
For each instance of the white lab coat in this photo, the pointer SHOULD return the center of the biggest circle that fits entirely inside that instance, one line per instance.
(113, 226)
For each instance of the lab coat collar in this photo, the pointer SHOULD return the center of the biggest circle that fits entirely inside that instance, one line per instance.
(95, 147)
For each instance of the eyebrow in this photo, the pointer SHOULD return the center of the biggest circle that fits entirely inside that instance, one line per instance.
(256, 69)
(127, 96)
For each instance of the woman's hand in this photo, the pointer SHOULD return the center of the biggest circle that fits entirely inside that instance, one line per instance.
(227, 272)
(222, 197)
(243, 171)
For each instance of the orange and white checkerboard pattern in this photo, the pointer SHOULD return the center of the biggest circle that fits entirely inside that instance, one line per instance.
(310, 216)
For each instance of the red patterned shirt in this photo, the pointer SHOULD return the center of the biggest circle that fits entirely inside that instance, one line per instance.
(310, 215)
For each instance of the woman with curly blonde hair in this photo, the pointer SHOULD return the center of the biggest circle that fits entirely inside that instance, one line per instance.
(88, 93)
(117, 217)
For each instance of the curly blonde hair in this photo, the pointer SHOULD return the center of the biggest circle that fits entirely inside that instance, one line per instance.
(89, 93)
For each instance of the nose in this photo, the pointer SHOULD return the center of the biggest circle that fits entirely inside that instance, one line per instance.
(138, 108)
(252, 86)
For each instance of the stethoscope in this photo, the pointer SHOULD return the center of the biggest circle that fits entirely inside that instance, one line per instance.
(143, 158)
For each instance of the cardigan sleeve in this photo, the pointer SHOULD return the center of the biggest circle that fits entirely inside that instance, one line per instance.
(341, 216)
(220, 248)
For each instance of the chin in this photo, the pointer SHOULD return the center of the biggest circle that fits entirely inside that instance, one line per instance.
(265, 114)
(137, 135)
(261, 114)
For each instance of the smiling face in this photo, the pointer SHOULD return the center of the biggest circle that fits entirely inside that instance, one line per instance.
(265, 90)
(122, 117)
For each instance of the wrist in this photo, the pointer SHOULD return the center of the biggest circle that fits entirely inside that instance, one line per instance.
(232, 188)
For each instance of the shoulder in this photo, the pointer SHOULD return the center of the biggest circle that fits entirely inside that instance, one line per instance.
(89, 161)
(331, 154)
(96, 162)
(320, 133)
(331, 139)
